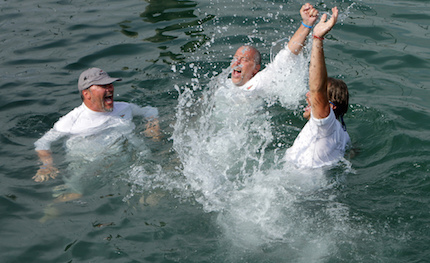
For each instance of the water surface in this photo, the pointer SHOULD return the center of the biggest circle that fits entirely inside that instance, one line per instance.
(215, 188)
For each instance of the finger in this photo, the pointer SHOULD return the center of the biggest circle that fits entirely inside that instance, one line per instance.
(334, 16)
(54, 173)
(38, 178)
(335, 12)
(323, 19)
(306, 7)
(44, 178)
(303, 8)
(313, 12)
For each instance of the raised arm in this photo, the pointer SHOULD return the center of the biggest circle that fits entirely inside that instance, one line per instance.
(317, 68)
(309, 15)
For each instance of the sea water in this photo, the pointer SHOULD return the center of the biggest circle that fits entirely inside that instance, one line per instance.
(215, 188)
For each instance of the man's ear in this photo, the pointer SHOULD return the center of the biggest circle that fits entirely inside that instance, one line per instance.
(86, 94)
(256, 69)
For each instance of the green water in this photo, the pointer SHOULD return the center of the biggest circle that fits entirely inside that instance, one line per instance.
(374, 208)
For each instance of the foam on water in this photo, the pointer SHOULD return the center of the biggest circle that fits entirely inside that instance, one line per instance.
(224, 139)
(102, 157)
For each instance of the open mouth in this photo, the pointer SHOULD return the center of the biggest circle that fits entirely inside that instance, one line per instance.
(237, 71)
(108, 99)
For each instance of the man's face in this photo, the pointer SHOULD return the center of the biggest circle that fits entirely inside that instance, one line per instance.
(244, 66)
(100, 98)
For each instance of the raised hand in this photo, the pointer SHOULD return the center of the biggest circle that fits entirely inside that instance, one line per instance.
(323, 27)
(309, 14)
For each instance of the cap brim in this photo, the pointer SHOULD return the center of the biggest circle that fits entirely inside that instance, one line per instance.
(106, 81)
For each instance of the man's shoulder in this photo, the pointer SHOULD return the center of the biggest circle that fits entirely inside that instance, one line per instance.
(122, 103)
(327, 121)
(73, 113)
(64, 122)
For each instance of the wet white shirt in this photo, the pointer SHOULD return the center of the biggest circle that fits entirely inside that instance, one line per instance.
(282, 63)
(322, 142)
(82, 121)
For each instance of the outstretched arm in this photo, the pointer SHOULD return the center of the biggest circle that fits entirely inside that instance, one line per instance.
(317, 69)
(309, 15)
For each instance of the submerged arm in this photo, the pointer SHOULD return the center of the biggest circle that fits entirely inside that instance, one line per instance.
(152, 127)
(152, 130)
(47, 169)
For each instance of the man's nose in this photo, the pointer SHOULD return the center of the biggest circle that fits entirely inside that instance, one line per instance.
(236, 62)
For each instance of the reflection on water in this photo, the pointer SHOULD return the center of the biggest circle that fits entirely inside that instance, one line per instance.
(158, 11)
(172, 17)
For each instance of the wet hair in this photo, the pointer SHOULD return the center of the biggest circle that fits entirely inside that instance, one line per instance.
(257, 54)
(338, 94)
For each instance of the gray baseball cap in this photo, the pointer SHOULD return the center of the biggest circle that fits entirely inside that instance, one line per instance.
(94, 76)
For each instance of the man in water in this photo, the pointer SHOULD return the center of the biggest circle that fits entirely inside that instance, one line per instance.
(246, 62)
(97, 113)
(323, 140)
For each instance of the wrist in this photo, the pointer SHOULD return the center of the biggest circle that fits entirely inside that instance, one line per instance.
(318, 37)
(306, 24)
(45, 165)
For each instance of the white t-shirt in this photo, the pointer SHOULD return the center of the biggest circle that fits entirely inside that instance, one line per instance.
(322, 142)
(277, 73)
(282, 62)
(82, 121)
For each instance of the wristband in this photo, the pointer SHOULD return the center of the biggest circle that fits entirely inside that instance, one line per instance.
(306, 25)
(317, 37)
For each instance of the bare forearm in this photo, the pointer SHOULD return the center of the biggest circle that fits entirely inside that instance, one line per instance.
(45, 157)
(309, 15)
(317, 68)
(297, 42)
(46, 169)
(318, 81)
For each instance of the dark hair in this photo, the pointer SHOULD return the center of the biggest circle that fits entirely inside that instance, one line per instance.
(337, 92)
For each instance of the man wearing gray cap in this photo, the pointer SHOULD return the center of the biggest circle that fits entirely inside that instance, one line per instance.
(97, 113)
